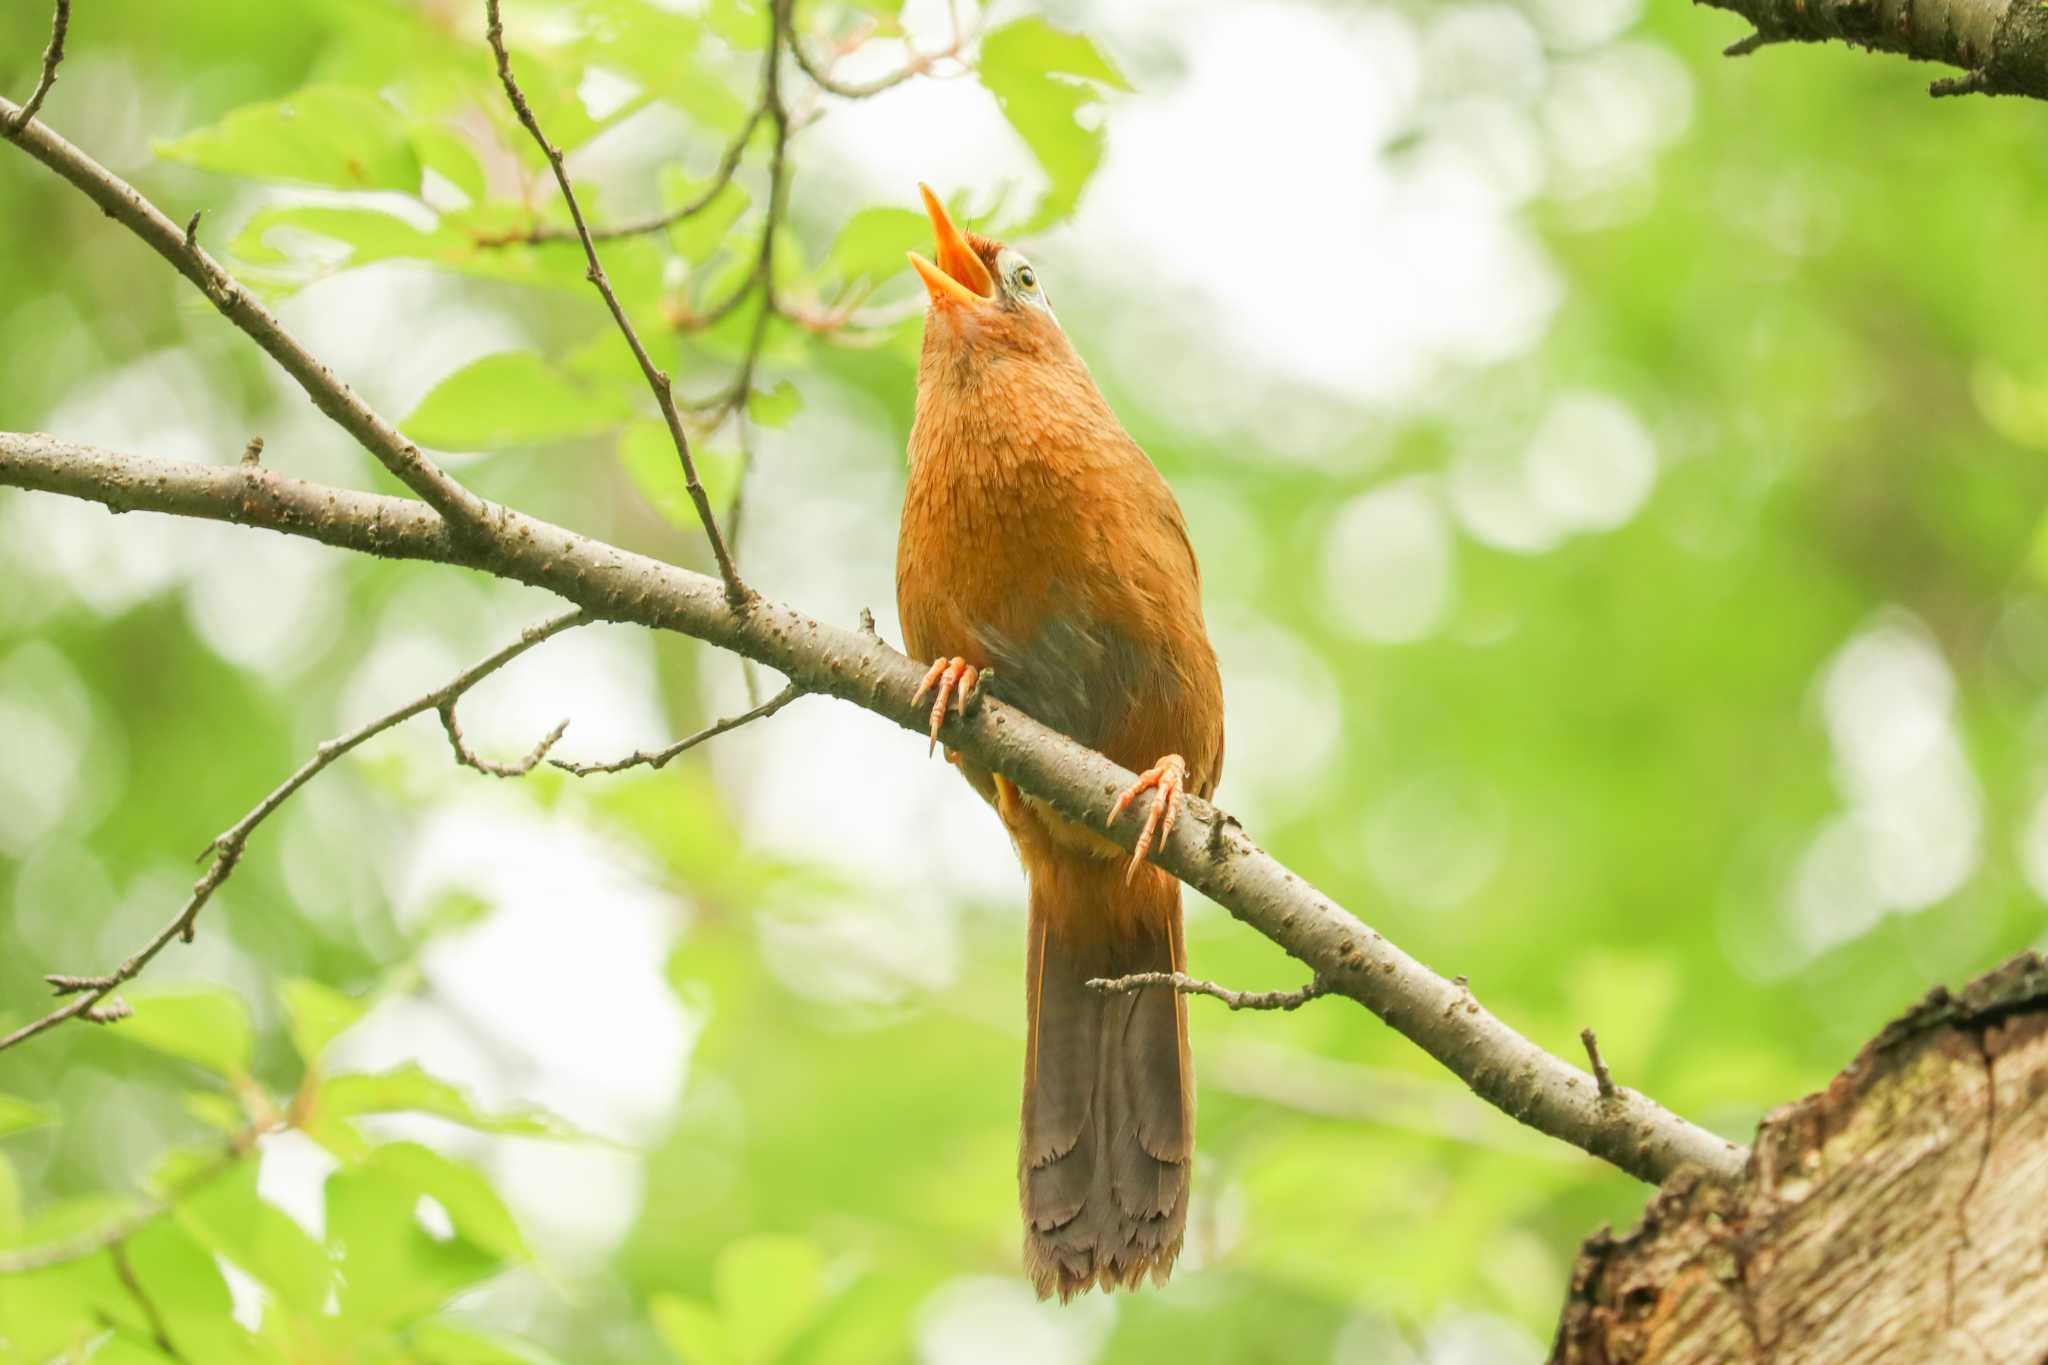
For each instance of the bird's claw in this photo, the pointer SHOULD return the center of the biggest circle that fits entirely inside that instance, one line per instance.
(956, 680)
(1170, 776)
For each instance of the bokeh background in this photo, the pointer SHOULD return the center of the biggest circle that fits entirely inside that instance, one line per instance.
(1618, 474)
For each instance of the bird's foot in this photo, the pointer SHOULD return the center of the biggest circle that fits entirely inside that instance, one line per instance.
(1170, 776)
(956, 680)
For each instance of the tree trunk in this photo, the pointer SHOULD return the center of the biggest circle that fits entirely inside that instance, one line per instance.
(1899, 1216)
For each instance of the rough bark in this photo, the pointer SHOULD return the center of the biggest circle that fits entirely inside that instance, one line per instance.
(1899, 1216)
(2001, 46)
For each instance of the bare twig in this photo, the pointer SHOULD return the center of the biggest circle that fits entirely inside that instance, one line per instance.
(469, 759)
(1601, 1075)
(658, 380)
(656, 758)
(53, 57)
(227, 847)
(1204, 849)
(920, 64)
(728, 166)
(157, 1333)
(1188, 985)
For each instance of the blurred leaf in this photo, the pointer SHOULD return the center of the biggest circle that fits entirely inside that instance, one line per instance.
(321, 135)
(317, 1014)
(438, 1342)
(743, 23)
(775, 407)
(229, 1218)
(473, 1207)
(407, 1088)
(206, 1025)
(691, 1330)
(446, 152)
(1043, 78)
(874, 244)
(512, 398)
(215, 1110)
(17, 1114)
(663, 50)
(769, 1290)
(393, 1270)
(700, 235)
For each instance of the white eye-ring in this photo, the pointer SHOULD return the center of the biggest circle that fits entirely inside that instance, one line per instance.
(1026, 278)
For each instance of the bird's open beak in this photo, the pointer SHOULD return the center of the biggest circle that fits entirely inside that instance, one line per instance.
(959, 277)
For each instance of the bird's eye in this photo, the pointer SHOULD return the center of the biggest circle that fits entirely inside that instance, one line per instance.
(1027, 278)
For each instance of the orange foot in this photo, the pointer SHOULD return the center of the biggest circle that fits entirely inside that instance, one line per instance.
(956, 680)
(1170, 776)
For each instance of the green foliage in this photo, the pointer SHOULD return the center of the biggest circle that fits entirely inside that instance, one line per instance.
(321, 135)
(1044, 78)
(210, 1027)
(1593, 786)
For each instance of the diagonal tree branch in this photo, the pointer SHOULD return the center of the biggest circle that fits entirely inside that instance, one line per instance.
(2000, 45)
(226, 850)
(125, 205)
(657, 379)
(1206, 848)
(53, 57)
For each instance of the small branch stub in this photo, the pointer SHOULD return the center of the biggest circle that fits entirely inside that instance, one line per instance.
(1601, 1074)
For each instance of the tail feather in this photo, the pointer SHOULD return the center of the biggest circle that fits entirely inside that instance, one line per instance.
(1108, 1088)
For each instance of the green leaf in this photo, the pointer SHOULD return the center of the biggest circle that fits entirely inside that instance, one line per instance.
(317, 1015)
(230, 1218)
(321, 135)
(775, 407)
(206, 1025)
(215, 1110)
(446, 152)
(510, 399)
(699, 236)
(17, 1114)
(874, 243)
(392, 1269)
(473, 1207)
(1043, 78)
(650, 459)
(769, 1290)
(444, 1343)
(691, 1330)
(409, 1089)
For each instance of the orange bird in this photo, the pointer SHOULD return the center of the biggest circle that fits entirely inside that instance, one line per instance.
(1039, 541)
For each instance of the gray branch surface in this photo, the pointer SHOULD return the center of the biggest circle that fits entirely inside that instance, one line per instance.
(2001, 46)
(1206, 848)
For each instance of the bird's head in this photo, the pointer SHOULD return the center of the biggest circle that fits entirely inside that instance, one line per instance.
(984, 295)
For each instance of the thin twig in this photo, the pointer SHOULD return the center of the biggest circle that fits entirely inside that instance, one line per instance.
(157, 1332)
(113, 1234)
(920, 63)
(656, 758)
(469, 759)
(658, 380)
(1601, 1075)
(53, 57)
(226, 848)
(1188, 985)
(728, 166)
